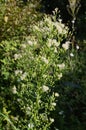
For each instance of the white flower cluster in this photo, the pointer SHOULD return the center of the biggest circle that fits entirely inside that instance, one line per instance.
(60, 76)
(20, 74)
(30, 126)
(31, 40)
(23, 76)
(66, 45)
(45, 60)
(17, 56)
(52, 42)
(77, 47)
(56, 94)
(60, 27)
(53, 104)
(51, 120)
(14, 90)
(23, 46)
(61, 66)
(48, 20)
(28, 110)
(49, 25)
(45, 88)
(71, 54)
(36, 28)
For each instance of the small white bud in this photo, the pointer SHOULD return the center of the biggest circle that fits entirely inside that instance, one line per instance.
(66, 45)
(77, 47)
(51, 119)
(56, 94)
(53, 104)
(60, 76)
(71, 54)
(14, 91)
(45, 88)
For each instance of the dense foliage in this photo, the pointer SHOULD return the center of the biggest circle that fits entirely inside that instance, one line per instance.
(15, 18)
(42, 68)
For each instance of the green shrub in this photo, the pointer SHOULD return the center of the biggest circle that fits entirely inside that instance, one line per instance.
(42, 77)
(29, 71)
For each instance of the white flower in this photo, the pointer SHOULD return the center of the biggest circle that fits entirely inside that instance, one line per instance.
(23, 46)
(14, 91)
(17, 56)
(48, 21)
(18, 72)
(55, 50)
(66, 45)
(45, 88)
(71, 54)
(18, 99)
(52, 42)
(60, 76)
(6, 19)
(45, 60)
(30, 125)
(23, 76)
(44, 76)
(56, 94)
(58, 27)
(73, 21)
(77, 47)
(29, 42)
(36, 28)
(51, 119)
(45, 29)
(61, 66)
(28, 110)
(49, 44)
(56, 10)
(55, 43)
(60, 20)
(53, 104)
(16, 118)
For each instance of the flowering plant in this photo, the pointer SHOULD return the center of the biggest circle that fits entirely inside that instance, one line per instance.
(29, 72)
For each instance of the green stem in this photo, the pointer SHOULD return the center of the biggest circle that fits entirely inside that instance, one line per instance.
(9, 121)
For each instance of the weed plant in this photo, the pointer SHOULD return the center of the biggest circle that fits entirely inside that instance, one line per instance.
(40, 87)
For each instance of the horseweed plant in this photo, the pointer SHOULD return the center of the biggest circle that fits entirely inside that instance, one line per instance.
(30, 71)
(73, 9)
